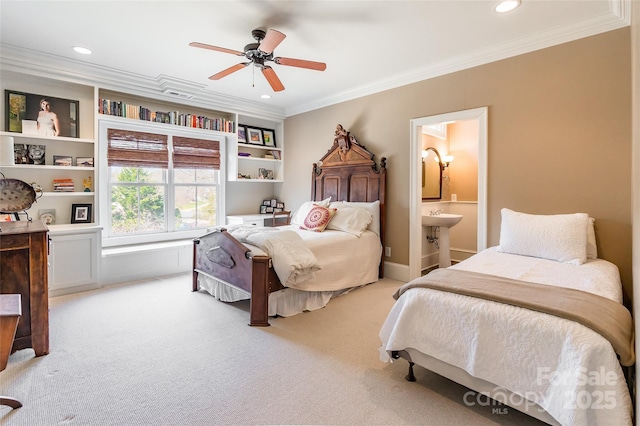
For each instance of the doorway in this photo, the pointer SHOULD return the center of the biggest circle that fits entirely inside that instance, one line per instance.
(415, 196)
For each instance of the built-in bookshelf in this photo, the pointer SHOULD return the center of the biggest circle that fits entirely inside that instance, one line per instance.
(125, 106)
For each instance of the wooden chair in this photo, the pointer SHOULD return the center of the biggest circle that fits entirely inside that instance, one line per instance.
(281, 218)
(10, 311)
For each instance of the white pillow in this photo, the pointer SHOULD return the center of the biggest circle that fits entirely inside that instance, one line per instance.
(592, 248)
(297, 218)
(372, 207)
(353, 220)
(561, 237)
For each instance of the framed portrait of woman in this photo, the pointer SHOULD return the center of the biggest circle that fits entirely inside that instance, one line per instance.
(49, 116)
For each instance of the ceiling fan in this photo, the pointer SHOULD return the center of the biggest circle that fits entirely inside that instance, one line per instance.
(260, 52)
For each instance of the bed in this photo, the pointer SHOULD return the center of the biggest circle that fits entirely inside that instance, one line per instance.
(234, 263)
(559, 370)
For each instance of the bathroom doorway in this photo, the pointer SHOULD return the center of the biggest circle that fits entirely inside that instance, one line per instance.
(415, 222)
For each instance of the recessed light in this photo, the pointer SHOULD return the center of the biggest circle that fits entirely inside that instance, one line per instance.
(507, 6)
(82, 50)
(265, 96)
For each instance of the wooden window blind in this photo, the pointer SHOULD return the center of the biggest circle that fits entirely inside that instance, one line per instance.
(189, 153)
(137, 149)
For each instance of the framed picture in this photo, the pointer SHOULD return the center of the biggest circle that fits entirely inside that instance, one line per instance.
(62, 160)
(81, 213)
(53, 116)
(48, 216)
(84, 161)
(269, 209)
(263, 209)
(280, 206)
(269, 137)
(266, 174)
(242, 134)
(266, 202)
(274, 202)
(254, 136)
(20, 153)
(35, 154)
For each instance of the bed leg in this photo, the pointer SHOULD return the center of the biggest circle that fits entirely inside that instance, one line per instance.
(411, 377)
(259, 304)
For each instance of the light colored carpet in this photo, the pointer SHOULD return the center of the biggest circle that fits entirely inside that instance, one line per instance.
(155, 353)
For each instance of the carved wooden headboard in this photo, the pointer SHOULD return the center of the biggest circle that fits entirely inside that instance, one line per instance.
(348, 172)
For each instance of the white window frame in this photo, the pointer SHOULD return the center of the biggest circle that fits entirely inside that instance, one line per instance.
(103, 199)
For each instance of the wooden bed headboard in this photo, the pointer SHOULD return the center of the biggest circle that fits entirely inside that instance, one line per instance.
(348, 172)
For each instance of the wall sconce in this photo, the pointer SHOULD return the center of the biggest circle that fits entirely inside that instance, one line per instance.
(444, 161)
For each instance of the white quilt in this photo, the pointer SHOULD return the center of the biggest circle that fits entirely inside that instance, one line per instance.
(292, 261)
(566, 368)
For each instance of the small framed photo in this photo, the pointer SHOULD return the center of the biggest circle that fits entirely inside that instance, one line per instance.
(36, 154)
(266, 174)
(269, 137)
(84, 161)
(269, 209)
(263, 209)
(47, 216)
(242, 134)
(274, 202)
(62, 160)
(52, 116)
(20, 153)
(280, 206)
(266, 202)
(81, 213)
(254, 136)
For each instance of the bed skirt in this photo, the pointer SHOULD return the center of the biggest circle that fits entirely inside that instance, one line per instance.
(284, 303)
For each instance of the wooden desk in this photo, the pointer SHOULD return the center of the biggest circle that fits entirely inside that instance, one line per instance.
(10, 311)
(23, 270)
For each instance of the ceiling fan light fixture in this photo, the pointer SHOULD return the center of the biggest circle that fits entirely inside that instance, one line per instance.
(507, 6)
(82, 50)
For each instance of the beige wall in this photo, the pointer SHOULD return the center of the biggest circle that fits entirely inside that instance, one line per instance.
(559, 138)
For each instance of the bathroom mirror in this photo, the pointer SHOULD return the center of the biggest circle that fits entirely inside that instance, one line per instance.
(431, 174)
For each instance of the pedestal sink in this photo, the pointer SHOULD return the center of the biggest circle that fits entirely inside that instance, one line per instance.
(445, 221)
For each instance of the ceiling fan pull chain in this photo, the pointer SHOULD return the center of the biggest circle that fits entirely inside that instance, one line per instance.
(253, 77)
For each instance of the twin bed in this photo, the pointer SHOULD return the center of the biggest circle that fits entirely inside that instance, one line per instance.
(494, 323)
(288, 270)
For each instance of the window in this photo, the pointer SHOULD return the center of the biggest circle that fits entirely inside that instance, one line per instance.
(160, 186)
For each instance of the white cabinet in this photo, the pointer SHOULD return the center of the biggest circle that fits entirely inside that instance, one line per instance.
(74, 258)
(250, 219)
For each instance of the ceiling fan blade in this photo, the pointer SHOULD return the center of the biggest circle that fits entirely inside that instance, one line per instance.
(216, 48)
(229, 70)
(271, 41)
(272, 78)
(301, 63)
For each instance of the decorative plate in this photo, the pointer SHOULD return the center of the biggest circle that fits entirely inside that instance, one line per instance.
(15, 195)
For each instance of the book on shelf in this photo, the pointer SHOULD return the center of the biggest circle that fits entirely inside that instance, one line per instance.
(63, 185)
(122, 109)
(276, 154)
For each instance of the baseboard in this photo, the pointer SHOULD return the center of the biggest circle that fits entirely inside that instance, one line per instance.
(396, 271)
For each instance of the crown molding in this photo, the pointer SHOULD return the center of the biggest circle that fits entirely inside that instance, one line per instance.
(618, 17)
(163, 87)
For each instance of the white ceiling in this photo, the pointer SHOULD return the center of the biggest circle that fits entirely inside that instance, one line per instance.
(368, 46)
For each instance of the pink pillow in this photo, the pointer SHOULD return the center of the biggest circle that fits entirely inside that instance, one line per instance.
(318, 218)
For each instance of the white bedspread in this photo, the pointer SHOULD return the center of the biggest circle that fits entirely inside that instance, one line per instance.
(566, 368)
(292, 260)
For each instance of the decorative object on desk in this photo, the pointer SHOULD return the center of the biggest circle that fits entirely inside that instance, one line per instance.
(242, 134)
(35, 154)
(81, 213)
(87, 184)
(84, 161)
(54, 116)
(7, 156)
(269, 137)
(16, 196)
(47, 216)
(63, 185)
(254, 136)
(20, 153)
(274, 202)
(265, 174)
(62, 160)
(280, 205)
(263, 209)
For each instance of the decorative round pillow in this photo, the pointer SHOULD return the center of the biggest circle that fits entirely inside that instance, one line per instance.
(318, 218)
